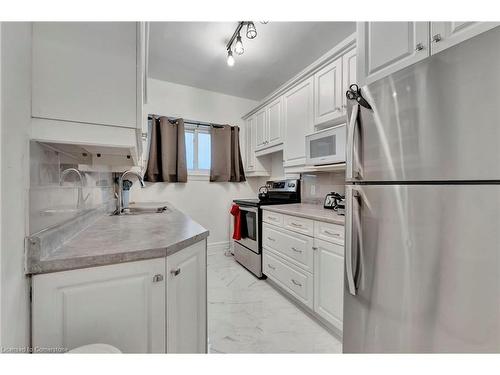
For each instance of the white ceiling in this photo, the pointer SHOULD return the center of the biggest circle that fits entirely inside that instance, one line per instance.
(194, 54)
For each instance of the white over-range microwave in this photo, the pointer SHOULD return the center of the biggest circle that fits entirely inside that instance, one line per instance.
(326, 146)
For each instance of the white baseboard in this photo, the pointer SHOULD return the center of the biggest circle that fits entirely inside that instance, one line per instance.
(218, 247)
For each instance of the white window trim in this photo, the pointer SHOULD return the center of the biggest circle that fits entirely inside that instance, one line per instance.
(199, 174)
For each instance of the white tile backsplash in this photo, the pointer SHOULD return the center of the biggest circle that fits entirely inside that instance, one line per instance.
(51, 203)
(315, 186)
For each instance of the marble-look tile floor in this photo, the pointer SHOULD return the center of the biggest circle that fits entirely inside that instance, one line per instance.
(246, 315)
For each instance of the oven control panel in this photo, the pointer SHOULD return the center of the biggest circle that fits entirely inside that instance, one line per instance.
(283, 185)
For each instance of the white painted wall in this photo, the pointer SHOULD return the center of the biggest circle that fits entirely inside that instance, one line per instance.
(206, 202)
(15, 120)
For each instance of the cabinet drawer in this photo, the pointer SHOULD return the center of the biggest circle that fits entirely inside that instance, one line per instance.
(299, 224)
(294, 247)
(272, 217)
(329, 232)
(299, 284)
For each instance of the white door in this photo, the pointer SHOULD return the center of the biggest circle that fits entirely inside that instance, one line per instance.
(121, 305)
(298, 117)
(385, 47)
(85, 72)
(329, 281)
(274, 121)
(187, 300)
(348, 74)
(261, 139)
(250, 143)
(328, 93)
(447, 34)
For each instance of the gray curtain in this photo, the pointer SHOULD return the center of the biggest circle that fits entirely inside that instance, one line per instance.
(226, 163)
(167, 151)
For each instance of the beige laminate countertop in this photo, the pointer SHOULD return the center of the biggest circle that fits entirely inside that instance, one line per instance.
(308, 211)
(114, 239)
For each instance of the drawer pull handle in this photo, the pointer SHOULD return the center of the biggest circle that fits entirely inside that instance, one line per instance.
(271, 267)
(175, 272)
(296, 225)
(272, 218)
(271, 239)
(296, 250)
(332, 234)
(157, 278)
(296, 283)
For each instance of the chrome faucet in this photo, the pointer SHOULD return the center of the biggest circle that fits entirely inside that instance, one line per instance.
(81, 200)
(120, 188)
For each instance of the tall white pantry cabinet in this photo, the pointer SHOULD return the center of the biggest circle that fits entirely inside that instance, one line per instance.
(149, 306)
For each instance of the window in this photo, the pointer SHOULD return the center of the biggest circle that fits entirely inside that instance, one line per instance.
(198, 155)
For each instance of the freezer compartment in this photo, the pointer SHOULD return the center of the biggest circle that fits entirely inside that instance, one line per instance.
(422, 269)
(436, 120)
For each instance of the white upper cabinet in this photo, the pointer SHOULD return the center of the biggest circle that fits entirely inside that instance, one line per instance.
(250, 144)
(298, 117)
(253, 166)
(385, 47)
(121, 305)
(260, 129)
(447, 34)
(87, 72)
(275, 121)
(268, 125)
(348, 74)
(328, 93)
(187, 300)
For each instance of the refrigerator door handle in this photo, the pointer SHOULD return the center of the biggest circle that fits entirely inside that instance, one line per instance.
(351, 171)
(350, 195)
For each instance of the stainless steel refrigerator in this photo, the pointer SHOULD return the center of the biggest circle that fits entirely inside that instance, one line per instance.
(423, 207)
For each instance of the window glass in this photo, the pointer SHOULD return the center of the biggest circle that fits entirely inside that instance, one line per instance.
(189, 136)
(204, 151)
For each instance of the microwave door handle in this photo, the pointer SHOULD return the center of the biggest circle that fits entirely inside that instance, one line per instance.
(351, 131)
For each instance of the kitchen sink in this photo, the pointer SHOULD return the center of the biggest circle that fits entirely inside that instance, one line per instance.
(145, 208)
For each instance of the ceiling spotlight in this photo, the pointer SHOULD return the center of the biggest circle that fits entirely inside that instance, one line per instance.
(238, 47)
(230, 58)
(251, 31)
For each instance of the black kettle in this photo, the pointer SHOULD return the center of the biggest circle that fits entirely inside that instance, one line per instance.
(263, 193)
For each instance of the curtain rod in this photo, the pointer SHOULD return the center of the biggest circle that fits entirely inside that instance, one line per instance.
(189, 122)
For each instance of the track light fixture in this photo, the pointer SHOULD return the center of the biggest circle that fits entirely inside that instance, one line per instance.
(251, 30)
(238, 45)
(230, 58)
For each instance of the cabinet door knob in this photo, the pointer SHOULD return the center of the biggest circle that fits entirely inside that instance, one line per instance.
(175, 272)
(419, 47)
(315, 248)
(436, 38)
(157, 278)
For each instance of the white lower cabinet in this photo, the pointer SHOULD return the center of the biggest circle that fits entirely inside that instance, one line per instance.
(309, 267)
(187, 300)
(296, 282)
(138, 307)
(120, 305)
(329, 281)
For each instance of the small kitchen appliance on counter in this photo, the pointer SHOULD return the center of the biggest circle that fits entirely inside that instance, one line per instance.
(248, 249)
(336, 202)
